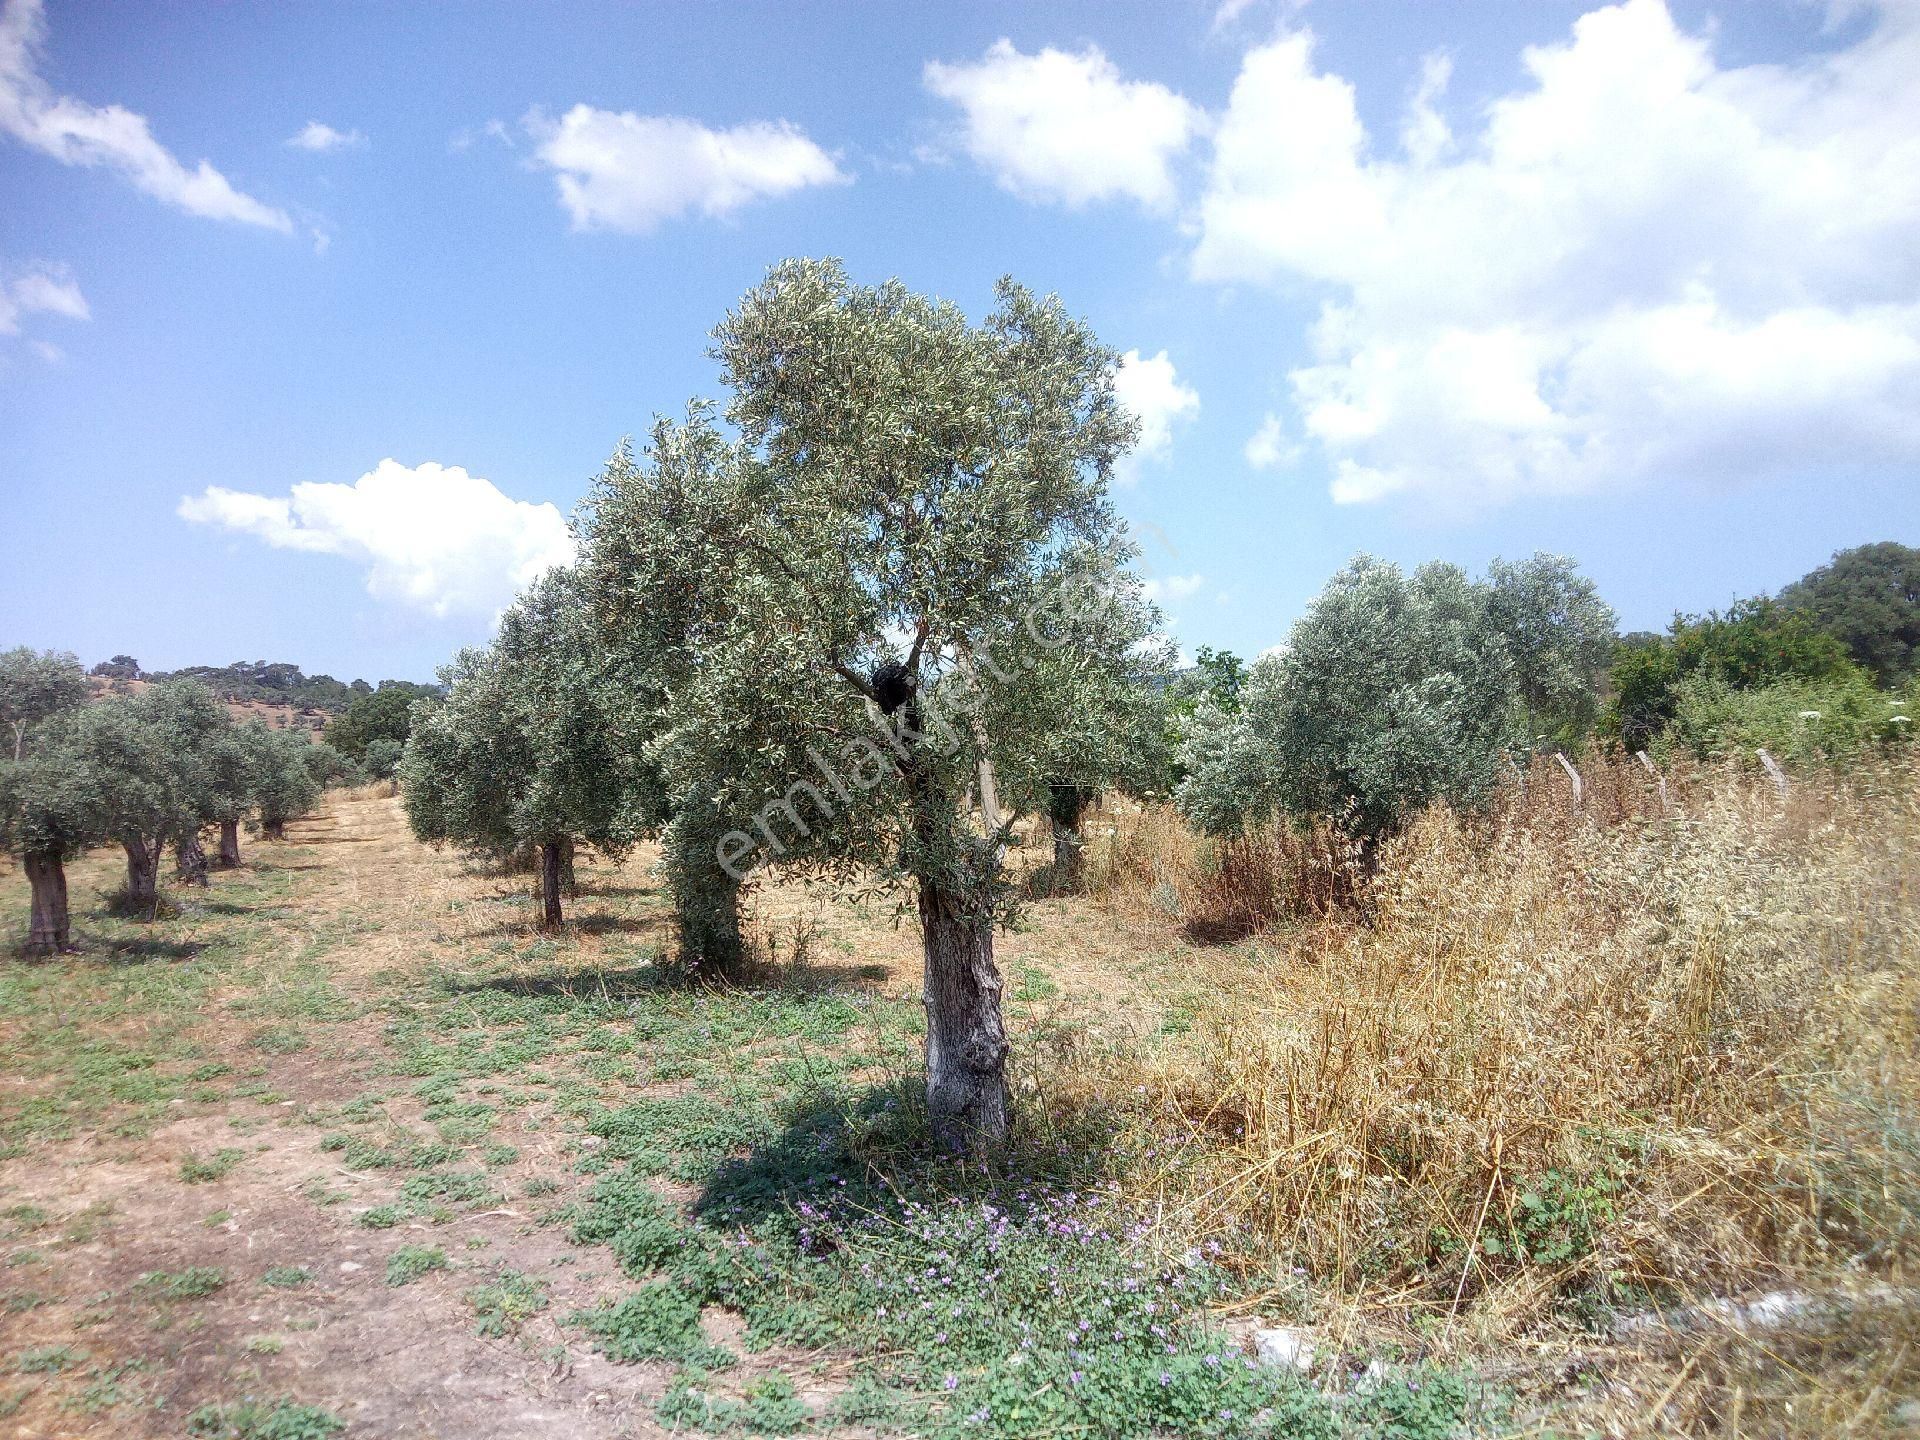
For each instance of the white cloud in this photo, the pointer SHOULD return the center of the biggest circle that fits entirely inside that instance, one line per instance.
(433, 537)
(621, 171)
(1640, 265)
(40, 290)
(320, 138)
(1269, 447)
(1151, 389)
(77, 133)
(1172, 587)
(1065, 127)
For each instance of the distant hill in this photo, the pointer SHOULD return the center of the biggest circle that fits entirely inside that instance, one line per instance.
(274, 684)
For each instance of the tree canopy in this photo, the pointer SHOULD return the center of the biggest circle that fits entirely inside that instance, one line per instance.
(1868, 599)
(1395, 691)
(34, 686)
(383, 714)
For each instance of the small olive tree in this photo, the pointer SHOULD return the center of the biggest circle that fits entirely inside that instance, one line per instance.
(661, 537)
(525, 751)
(915, 494)
(283, 777)
(47, 818)
(1108, 676)
(36, 685)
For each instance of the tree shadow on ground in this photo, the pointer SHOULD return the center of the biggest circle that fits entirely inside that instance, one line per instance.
(633, 983)
(527, 921)
(873, 1148)
(120, 952)
(603, 924)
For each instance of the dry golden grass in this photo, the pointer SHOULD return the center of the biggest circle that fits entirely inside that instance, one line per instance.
(1677, 1043)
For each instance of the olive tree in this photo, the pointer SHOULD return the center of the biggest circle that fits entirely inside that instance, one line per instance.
(36, 685)
(661, 536)
(526, 751)
(139, 768)
(283, 777)
(914, 494)
(46, 819)
(1559, 635)
(1393, 691)
(1108, 677)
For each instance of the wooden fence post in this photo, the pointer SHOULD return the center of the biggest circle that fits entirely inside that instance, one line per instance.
(1572, 774)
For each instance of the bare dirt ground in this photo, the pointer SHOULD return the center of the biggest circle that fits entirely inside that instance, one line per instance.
(283, 1023)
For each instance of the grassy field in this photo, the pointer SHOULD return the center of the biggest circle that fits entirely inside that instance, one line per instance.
(1515, 1146)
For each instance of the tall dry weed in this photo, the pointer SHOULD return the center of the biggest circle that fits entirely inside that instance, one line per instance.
(1631, 1047)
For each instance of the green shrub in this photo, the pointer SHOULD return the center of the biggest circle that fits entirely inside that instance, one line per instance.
(263, 1420)
(1802, 722)
(506, 1303)
(660, 1321)
(410, 1262)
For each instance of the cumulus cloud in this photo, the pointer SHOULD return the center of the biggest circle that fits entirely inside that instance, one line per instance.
(1168, 588)
(1270, 448)
(621, 171)
(1640, 264)
(109, 136)
(431, 536)
(1152, 390)
(321, 138)
(40, 290)
(1067, 127)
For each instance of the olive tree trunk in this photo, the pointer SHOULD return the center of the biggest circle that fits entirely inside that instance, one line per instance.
(143, 872)
(190, 859)
(48, 929)
(706, 895)
(569, 882)
(1067, 807)
(229, 844)
(273, 827)
(966, 1034)
(551, 873)
(709, 929)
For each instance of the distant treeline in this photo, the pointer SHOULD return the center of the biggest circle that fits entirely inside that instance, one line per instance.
(261, 681)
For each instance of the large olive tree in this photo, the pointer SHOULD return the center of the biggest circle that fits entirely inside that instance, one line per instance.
(916, 496)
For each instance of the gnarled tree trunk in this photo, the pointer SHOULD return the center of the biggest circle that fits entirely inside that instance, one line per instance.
(48, 929)
(569, 882)
(550, 882)
(966, 1035)
(143, 873)
(229, 844)
(190, 859)
(273, 827)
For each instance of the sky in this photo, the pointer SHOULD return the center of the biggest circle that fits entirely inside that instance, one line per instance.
(316, 321)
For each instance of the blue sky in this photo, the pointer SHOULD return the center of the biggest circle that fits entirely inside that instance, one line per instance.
(1640, 284)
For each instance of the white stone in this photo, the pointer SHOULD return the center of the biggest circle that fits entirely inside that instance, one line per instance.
(1284, 1346)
